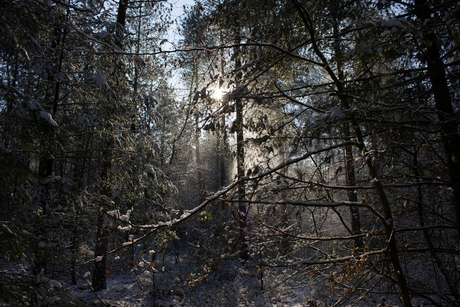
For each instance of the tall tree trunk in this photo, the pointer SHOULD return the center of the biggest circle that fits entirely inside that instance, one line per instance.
(223, 132)
(349, 166)
(45, 167)
(440, 87)
(78, 178)
(99, 281)
(242, 208)
(102, 235)
(388, 223)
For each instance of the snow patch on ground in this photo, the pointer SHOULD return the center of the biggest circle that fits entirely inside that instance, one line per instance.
(121, 291)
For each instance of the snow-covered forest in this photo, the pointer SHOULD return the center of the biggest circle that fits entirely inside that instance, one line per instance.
(248, 153)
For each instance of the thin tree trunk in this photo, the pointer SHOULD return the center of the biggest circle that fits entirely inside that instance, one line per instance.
(223, 132)
(349, 165)
(222, 152)
(45, 167)
(74, 251)
(198, 154)
(242, 208)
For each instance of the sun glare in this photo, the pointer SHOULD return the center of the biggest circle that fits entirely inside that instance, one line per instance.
(217, 94)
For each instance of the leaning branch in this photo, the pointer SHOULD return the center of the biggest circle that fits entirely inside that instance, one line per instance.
(219, 195)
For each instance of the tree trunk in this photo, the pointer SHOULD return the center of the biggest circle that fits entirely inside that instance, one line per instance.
(74, 251)
(45, 167)
(100, 253)
(223, 132)
(242, 208)
(449, 127)
(121, 21)
(388, 223)
(102, 236)
(198, 154)
(222, 152)
(349, 166)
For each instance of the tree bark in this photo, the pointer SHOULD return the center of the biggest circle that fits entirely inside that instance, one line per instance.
(440, 87)
(223, 132)
(242, 208)
(121, 21)
(102, 242)
(198, 154)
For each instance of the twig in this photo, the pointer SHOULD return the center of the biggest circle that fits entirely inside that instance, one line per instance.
(98, 297)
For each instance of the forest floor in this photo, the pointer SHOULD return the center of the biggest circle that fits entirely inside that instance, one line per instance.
(176, 284)
(123, 290)
(236, 284)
